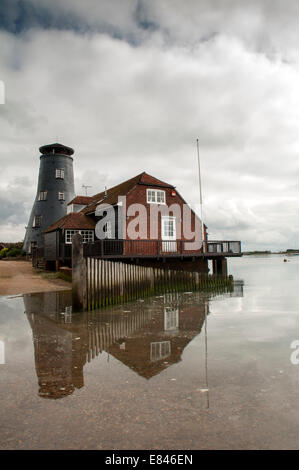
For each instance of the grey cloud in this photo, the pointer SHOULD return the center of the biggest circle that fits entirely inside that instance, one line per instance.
(14, 201)
(207, 72)
(263, 25)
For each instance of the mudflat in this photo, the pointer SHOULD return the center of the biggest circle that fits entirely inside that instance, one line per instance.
(19, 277)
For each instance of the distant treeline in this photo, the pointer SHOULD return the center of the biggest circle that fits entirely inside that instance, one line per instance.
(12, 245)
(268, 252)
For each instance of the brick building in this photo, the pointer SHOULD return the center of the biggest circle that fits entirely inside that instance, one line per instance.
(142, 220)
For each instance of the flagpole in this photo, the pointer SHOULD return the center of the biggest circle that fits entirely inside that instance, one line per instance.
(200, 197)
(206, 305)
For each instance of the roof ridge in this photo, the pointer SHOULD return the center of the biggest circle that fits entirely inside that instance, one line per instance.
(60, 223)
(97, 196)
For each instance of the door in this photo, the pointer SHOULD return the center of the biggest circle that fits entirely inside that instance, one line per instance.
(168, 230)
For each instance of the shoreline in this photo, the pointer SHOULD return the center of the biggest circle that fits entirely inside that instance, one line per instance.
(19, 277)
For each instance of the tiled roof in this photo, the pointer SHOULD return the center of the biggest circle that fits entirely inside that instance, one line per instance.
(111, 195)
(151, 181)
(74, 220)
(82, 200)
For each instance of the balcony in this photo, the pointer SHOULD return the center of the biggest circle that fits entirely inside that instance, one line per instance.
(160, 249)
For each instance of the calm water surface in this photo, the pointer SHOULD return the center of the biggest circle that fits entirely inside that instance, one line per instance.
(186, 371)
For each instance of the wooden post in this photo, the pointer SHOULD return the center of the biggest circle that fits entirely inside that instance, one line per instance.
(224, 267)
(78, 274)
(121, 266)
(197, 280)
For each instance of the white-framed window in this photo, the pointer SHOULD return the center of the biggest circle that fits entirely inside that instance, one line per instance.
(168, 232)
(60, 196)
(87, 235)
(68, 314)
(59, 173)
(171, 318)
(107, 229)
(37, 221)
(69, 235)
(160, 350)
(42, 195)
(155, 196)
(168, 228)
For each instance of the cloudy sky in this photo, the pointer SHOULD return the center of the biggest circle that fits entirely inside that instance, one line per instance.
(131, 84)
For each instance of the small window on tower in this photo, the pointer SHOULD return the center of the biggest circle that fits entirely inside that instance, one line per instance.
(37, 221)
(61, 196)
(59, 173)
(42, 196)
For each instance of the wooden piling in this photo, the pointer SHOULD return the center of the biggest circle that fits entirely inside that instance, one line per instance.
(79, 275)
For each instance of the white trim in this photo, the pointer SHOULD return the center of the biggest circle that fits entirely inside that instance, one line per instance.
(171, 319)
(160, 350)
(37, 218)
(153, 197)
(164, 219)
(169, 243)
(59, 173)
(42, 195)
(87, 235)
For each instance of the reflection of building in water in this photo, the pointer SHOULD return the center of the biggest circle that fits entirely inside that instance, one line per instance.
(63, 342)
(146, 336)
(238, 289)
(177, 319)
(160, 350)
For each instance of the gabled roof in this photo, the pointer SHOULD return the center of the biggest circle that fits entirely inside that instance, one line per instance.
(149, 180)
(74, 220)
(110, 196)
(82, 200)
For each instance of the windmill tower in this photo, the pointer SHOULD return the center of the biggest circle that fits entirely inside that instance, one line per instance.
(55, 190)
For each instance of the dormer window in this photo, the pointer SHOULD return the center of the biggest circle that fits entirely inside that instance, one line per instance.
(59, 173)
(155, 196)
(60, 196)
(42, 196)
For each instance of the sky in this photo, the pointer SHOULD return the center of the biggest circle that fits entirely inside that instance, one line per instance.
(131, 85)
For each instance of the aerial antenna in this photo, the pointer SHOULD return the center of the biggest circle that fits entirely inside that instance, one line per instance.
(85, 186)
(200, 196)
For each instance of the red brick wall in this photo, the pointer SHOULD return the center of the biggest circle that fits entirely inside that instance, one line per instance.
(138, 195)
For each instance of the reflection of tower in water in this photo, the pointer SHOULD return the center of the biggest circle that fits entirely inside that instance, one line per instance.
(59, 355)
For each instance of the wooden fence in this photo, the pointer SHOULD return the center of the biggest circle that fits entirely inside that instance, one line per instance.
(110, 282)
(98, 282)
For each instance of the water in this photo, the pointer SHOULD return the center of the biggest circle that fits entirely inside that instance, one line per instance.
(180, 371)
